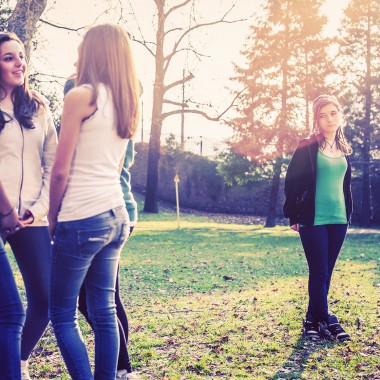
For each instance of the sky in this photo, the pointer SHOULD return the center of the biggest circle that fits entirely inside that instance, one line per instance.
(220, 46)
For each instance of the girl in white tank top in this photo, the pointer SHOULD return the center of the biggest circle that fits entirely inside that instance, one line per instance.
(88, 219)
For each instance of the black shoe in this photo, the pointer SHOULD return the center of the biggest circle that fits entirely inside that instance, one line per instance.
(310, 330)
(333, 330)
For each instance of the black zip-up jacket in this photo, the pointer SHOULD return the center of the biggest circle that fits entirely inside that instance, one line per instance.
(300, 184)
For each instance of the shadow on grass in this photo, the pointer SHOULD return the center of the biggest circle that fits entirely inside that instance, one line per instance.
(296, 363)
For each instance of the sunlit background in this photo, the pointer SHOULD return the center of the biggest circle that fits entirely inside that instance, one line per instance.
(219, 47)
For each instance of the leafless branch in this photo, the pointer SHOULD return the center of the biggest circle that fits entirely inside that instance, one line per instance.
(48, 75)
(145, 44)
(142, 41)
(173, 30)
(178, 82)
(222, 20)
(194, 51)
(61, 26)
(198, 55)
(175, 103)
(202, 113)
(173, 9)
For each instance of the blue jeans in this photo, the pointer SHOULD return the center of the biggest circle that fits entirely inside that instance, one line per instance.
(322, 245)
(12, 317)
(87, 252)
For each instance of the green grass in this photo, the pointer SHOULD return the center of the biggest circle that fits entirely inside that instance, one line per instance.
(216, 301)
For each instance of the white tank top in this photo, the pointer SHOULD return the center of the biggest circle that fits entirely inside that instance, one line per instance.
(94, 181)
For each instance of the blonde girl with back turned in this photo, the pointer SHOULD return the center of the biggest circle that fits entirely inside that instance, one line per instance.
(87, 218)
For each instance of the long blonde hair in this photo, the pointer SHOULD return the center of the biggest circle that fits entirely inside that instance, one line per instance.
(105, 56)
(340, 139)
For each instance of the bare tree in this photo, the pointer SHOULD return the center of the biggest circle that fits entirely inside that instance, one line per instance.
(24, 18)
(163, 60)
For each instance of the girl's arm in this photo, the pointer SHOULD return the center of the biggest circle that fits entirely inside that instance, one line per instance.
(9, 222)
(125, 180)
(76, 107)
(40, 207)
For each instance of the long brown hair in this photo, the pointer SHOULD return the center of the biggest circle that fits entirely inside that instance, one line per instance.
(25, 102)
(105, 56)
(340, 139)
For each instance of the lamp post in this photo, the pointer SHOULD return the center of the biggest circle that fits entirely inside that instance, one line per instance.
(176, 181)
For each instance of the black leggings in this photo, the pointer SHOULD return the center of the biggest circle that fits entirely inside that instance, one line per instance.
(31, 248)
(124, 361)
(322, 245)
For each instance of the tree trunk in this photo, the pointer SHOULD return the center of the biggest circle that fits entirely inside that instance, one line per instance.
(24, 19)
(282, 126)
(150, 204)
(271, 216)
(365, 206)
(366, 209)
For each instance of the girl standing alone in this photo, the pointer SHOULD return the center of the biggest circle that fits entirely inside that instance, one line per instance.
(319, 205)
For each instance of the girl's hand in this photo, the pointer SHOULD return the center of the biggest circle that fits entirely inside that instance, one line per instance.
(295, 227)
(10, 223)
(27, 218)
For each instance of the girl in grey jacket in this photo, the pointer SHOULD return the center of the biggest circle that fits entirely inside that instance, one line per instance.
(28, 142)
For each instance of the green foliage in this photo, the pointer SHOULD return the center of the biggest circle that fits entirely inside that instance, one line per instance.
(359, 71)
(239, 170)
(172, 145)
(359, 67)
(286, 55)
(287, 64)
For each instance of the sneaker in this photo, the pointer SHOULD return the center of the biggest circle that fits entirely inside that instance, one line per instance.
(121, 374)
(25, 374)
(124, 375)
(337, 331)
(333, 330)
(133, 376)
(310, 330)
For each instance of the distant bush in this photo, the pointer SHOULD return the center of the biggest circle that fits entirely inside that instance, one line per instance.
(201, 187)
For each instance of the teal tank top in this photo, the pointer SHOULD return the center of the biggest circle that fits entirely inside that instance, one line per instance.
(330, 207)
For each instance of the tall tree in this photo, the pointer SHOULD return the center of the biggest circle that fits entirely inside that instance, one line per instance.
(24, 18)
(287, 63)
(5, 12)
(169, 43)
(359, 62)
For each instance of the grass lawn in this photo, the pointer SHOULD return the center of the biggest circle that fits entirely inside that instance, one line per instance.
(214, 301)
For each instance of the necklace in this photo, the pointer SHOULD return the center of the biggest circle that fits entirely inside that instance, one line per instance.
(331, 146)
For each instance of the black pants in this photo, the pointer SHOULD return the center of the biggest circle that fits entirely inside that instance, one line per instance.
(31, 248)
(322, 245)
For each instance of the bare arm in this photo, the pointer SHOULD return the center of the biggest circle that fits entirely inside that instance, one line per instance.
(9, 222)
(76, 107)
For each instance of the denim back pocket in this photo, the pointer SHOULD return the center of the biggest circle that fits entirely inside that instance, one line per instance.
(124, 233)
(90, 242)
